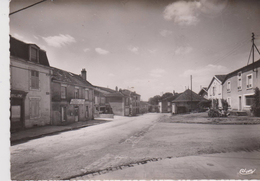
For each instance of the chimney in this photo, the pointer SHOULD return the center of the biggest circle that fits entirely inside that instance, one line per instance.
(116, 88)
(173, 92)
(84, 74)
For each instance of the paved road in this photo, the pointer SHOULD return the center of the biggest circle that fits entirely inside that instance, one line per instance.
(125, 140)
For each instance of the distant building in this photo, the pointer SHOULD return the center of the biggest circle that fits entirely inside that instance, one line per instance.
(239, 85)
(204, 92)
(144, 107)
(215, 90)
(132, 106)
(72, 97)
(30, 85)
(166, 103)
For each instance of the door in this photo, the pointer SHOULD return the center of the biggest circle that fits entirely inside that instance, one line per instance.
(16, 114)
(239, 103)
(63, 114)
(76, 109)
(87, 114)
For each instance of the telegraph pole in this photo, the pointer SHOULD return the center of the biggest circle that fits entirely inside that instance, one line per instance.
(252, 51)
(191, 92)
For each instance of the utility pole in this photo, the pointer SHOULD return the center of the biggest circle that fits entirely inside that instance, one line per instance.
(191, 92)
(252, 51)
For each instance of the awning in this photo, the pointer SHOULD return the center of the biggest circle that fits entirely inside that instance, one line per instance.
(77, 101)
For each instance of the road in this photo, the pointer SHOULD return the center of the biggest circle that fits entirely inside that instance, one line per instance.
(125, 140)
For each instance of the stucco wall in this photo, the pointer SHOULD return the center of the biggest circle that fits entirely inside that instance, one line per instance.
(20, 80)
(234, 94)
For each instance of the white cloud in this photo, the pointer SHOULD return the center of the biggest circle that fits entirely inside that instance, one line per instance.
(101, 51)
(59, 41)
(137, 69)
(207, 71)
(182, 12)
(37, 38)
(111, 75)
(157, 72)
(165, 33)
(134, 49)
(86, 50)
(183, 50)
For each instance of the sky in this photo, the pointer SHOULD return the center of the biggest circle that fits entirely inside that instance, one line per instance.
(148, 46)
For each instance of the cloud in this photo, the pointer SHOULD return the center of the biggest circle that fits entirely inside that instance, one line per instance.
(207, 71)
(111, 75)
(137, 69)
(182, 12)
(86, 50)
(37, 38)
(213, 7)
(183, 50)
(134, 49)
(165, 33)
(101, 51)
(157, 72)
(59, 41)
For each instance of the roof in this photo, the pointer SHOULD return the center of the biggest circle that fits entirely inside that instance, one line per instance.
(203, 89)
(249, 67)
(128, 92)
(69, 78)
(170, 98)
(219, 78)
(20, 49)
(188, 96)
(108, 92)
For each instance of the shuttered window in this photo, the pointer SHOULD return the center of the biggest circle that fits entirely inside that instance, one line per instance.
(34, 79)
(34, 108)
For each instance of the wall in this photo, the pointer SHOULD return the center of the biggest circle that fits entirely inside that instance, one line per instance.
(20, 80)
(235, 93)
(219, 94)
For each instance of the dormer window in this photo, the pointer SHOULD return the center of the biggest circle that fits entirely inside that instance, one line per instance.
(34, 54)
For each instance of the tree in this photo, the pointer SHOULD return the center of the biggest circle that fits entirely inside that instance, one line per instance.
(255, 108)
(165, 95)
(154, 100)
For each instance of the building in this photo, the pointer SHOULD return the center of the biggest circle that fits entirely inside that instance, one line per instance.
(166, 103)
(132, 105)
(204, 92)
(215, 90)
(30, 85)
(239, 85)
(72, 97)
(186, 102)
(144, 107)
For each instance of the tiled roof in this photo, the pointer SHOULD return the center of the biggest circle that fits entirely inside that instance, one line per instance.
(187, 96)
(69, 78)
(170, 98)
(108, 92)
(220, 77)
(20, 49)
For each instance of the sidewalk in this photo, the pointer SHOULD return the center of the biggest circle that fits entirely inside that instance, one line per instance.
(210, 166)
(37, 132)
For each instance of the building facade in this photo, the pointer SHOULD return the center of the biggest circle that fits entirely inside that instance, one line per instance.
(72, 97)
(239, 85)
(30, 86)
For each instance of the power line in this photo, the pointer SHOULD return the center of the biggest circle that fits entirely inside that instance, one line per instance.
(26, 7)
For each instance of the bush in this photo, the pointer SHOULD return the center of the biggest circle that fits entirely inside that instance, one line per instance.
(255, 108)
(224, 104)
(213, 113)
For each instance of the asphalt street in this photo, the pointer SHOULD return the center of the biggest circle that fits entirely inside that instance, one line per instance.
(124, 141)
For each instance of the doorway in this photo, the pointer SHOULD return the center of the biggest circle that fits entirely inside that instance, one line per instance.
(239, 103)
(16, 118)
(76, 109)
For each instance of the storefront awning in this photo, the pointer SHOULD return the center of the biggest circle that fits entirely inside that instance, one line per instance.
(18, 94)
(77, 101)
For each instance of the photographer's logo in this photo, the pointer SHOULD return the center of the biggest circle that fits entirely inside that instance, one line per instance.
(245, 171)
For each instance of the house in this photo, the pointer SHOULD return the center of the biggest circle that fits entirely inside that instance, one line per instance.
(72, 97)
(215, 90)
(30, 85)
(186, 102)
(132, 106)
(108, 101)
(204, 92)
(166, 103)
(144, 107)
(239, 85)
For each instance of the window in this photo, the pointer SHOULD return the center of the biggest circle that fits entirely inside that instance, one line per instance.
(214, 91)
(228, 86)
(76, 93)
(229, 102)
(126, 101)
(86, 94)
(239, 81)
(63, 92)
(169, 103)
(34, 54)
(103, 100)
(34, 79)
(249, 100)
(249, 81)
(34, 108)
(96, 100)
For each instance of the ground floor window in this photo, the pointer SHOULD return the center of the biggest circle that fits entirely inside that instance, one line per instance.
(249, 100)
(229, 102)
